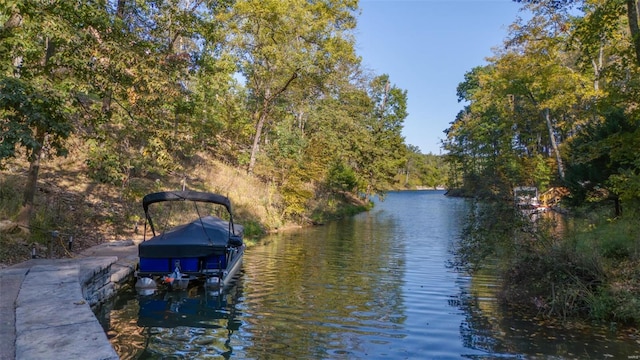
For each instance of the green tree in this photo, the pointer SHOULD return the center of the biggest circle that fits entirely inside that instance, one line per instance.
(553, 87)
(31, 119)
(605, 155)
(523, 106)
(422, 170)
(278, 43)
(554, 94)
(631, 7)
(166, 89)
(335, 129)
(484, 142)
(39, 46)
(383, 152)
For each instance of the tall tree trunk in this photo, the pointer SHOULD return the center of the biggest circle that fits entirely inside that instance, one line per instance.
(14, 21)
(106, 100)
(24, 217)
(256, 139)
(383, 105)
(406, 176)
(632, 14)
(554, 144)
(264, 111)
(597, 66)
(34, 169)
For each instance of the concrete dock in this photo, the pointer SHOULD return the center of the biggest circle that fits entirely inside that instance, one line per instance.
(45, 304)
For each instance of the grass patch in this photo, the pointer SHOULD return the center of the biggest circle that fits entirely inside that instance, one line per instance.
(10, 199)
(614, 239)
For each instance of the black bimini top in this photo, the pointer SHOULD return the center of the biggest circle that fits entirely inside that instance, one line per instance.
(185, 195)
(200, 238)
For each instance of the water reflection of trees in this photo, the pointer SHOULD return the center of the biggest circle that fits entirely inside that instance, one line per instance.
(490, 230)
(482, 327)
(501, 331)
(491, 234)
(326, 289)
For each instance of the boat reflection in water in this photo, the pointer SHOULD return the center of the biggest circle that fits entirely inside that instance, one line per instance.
(188, 324)
(193, 308)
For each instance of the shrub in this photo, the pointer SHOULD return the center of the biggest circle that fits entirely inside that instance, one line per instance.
(104, 165)
(10, 199)
(342, 177)
(556, 282)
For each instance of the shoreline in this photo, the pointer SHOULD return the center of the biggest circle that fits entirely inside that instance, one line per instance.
(46, 306)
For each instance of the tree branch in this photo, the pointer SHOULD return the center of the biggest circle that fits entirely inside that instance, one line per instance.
(286, 85)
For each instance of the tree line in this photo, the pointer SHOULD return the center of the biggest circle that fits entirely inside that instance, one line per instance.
(557, 105)
(275, 87)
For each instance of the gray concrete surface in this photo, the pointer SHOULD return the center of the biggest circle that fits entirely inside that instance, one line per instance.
(45, 305)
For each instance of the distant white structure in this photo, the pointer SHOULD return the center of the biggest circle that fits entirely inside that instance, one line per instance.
(526, 197)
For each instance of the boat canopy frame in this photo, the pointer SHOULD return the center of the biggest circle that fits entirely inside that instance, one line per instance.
(187, 195)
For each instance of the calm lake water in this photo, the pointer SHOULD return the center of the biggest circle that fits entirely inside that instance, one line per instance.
(375, 286)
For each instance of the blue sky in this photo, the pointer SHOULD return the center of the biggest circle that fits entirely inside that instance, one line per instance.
(426, 47)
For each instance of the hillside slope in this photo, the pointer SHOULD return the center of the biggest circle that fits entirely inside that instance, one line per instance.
(88, 213)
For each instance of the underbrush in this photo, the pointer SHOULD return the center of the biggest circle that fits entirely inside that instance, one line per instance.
(591, 271)
(554, 282)
(615, 243)
(9, 198)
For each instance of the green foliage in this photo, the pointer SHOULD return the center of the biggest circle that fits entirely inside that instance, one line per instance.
(337, 207)
(614, 239)
(561, 94)
(573, 110)
(537, 171)
(280, 47)
(335, 130)
(622, 306)
(561, 282)
(27, 112)
(383, 152)
(152, 86)
(252, 229)
(616, 244)
(296, 197)
(342, 177)
(604, 154)
(104, 165)
(627, 185)
(422, 170)
(586, 267)
(492, 230)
